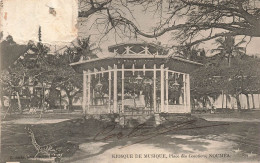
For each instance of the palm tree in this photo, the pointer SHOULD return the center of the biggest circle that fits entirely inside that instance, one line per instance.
(81, 49)
(228, 48)
(192, 53)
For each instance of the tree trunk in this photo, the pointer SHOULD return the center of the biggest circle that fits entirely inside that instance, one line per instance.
(70, 102)
(54, 95)
(247, 101)
(19, 102)
(253, 100)
(204, 102)
(60, 101)
(43, 96)
(238, 102)
(192, 103)
(222, 99)
(259, 100)
(71, 97)
(2, 101)
(226, 101)
(229, 60)
(1, 96)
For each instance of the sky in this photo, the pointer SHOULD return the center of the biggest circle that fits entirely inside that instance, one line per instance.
(145, 22)
(22, 19)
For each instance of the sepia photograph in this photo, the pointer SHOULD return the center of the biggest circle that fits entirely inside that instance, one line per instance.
(129, 81)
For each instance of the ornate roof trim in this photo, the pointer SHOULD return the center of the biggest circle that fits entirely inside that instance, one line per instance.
(136, 57)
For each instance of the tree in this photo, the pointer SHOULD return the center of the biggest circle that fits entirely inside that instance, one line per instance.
(228, 48)
(83, 50)
(66, 78)
(7, 47)
(218, 18)
(242, 77)
(250, 71)
(206, 83)
(34, 66)
(192, 53)
(37, 66)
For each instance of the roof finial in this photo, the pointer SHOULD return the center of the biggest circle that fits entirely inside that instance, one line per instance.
(40, 34)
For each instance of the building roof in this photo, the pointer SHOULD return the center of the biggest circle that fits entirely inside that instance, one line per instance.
(135, 57)
(139, 54)
(138, 48)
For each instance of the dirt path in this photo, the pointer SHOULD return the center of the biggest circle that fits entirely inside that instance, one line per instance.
(76, 139)
(231, 119)
(165, 148)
